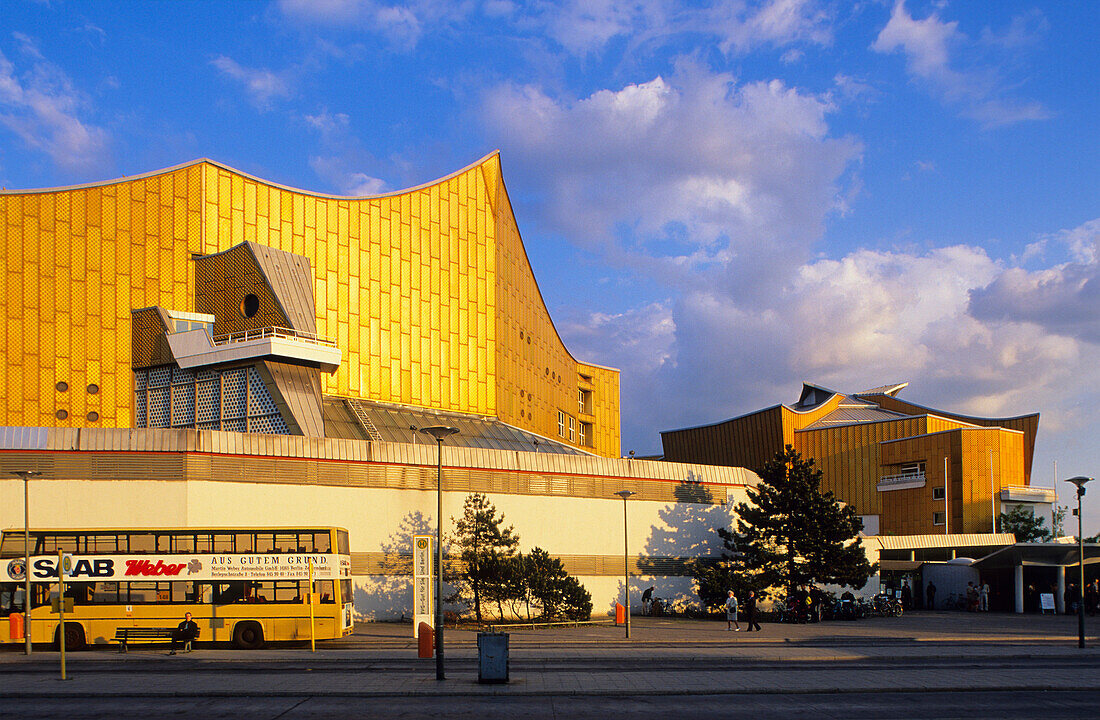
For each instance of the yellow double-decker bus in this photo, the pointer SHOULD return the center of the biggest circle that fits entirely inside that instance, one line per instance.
(247, 586)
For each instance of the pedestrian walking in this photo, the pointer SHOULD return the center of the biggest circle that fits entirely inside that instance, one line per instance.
(983, 597)
(731, 612)
(647, 601)
(1092, 597)
(930, 594)
(906, 596)
(750, 612)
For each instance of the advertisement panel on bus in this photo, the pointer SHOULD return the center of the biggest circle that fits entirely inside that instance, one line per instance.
(196, 567)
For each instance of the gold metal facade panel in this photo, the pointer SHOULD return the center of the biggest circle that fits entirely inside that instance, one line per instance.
(748, 441)
(77, 262)
(412, 286)
(403, 283)
(537, 376)
(222, 283)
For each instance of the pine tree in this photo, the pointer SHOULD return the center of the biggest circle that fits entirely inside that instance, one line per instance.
(794, 536)
(485, 547)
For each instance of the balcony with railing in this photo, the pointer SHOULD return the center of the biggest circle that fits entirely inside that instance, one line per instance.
(197, 348)
(902, 481)
(273, 332)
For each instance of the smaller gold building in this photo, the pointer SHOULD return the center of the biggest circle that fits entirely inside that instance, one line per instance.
(907, 469)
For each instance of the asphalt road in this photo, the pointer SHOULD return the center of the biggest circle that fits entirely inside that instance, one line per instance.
(1003, 705)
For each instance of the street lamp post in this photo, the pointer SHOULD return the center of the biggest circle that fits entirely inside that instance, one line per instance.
(439, 432)
(624, 494)
(1080, 481)
(27, 475)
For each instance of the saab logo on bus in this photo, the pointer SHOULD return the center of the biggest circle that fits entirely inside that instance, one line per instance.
(17, 569)
(100, 567)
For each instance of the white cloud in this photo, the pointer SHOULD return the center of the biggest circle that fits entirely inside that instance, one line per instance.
(263, 86)
(1062, 299)
(743, 26)
(40, 104)
(400, 24)
(931, 46)
(718, 169)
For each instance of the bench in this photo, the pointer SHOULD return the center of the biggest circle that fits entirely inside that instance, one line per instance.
(125, 635)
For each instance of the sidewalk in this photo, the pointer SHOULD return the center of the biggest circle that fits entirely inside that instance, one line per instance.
(931, 651)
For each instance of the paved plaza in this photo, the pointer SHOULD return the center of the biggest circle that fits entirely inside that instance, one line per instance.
(921, 652)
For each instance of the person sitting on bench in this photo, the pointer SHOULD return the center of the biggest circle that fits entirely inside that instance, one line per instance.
(187, 631)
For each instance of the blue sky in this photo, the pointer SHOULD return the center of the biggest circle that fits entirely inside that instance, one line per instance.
(723, 199)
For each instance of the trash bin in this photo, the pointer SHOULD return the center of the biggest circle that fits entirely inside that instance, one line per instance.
(492, 657)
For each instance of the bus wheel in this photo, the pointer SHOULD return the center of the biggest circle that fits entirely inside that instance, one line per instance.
(248, 636)
(74, 637)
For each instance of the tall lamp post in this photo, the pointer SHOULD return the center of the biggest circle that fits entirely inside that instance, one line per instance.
(1080, 481)
(624, 494)
(439, 432)
(27, 475)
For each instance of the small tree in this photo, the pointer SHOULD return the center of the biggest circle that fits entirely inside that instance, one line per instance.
(553, 590)
(715, 577)
(1022, 522)
(485, 547)
(793, 535)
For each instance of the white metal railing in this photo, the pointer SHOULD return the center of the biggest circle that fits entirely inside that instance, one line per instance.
(1026, 491)
(273, 332)
(901, 479)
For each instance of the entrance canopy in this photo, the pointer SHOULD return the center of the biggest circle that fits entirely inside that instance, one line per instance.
(1038, 554)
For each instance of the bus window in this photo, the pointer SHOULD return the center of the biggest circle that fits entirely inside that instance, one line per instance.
(101, 544)
(183, 543)
(50, 544)
(11, 599)
(289, 591)
(164, 543)
(286, 542)
(204, 544)
(105, 592)
(324, 590)
(265, 542)
(245, 543)
(231, 592)
(142, 543)
(223, 543)
(345, 591)
(342, 545)
(143, 592)
(201, 593)
(322, 542)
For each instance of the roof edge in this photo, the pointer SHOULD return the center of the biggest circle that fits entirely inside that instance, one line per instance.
(269, 183)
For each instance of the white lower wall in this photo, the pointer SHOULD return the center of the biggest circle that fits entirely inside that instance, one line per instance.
(382, 520)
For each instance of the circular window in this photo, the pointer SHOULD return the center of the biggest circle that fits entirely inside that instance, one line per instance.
(528, 339)
(61, 414)
(93, 389)
(62, 386)
(93, 416)
(520, 334)
(547, 371)
(250, 305)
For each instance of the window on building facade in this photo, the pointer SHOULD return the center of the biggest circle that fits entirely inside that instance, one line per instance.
(939, 493)
(561, 424)
(584, 401)
(585, 434)
(937, 518)
(572, 429)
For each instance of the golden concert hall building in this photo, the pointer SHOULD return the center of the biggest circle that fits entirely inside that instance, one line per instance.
(907, 469)
(199, 347)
